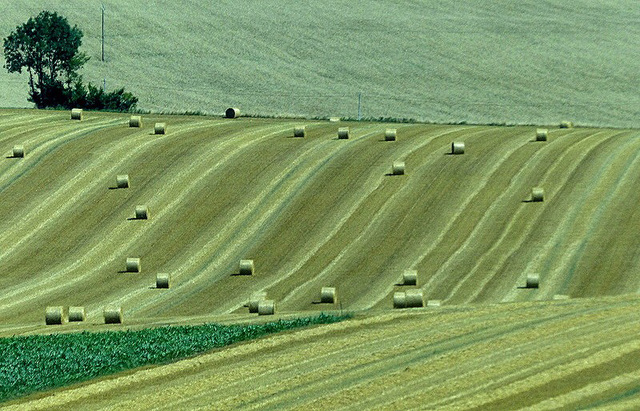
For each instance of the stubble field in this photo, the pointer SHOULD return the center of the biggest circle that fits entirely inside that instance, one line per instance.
(319, 211)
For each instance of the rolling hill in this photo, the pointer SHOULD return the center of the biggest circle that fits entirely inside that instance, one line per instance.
(311, 212)
(321, 211)
(484, 62)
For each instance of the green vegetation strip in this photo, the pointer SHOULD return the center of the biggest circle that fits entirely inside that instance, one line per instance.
(39, 362)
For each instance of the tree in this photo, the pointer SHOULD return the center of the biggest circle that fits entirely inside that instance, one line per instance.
(47, 46)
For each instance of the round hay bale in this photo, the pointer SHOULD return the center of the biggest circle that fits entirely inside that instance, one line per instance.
(135, 121)
(112, 315)
(414, 298)
(246, 267)
(399, 299)
(133, 265)
(266, 307)
(533, 281)
(434, 303)
(163, 280)
(566, 124)
(390, 134)
(328, 295)
(397, 169)
(542, 134)
(142, 212)
(334, 119)
(299, 131)
(232, 112)
(410, 277)
(77, 314)
(18, 151)
(76, 114)
(457, 147)
(254, 300)
(122, 181)
(343, 133)
(54, 315)
(160, 128)
(537, 194)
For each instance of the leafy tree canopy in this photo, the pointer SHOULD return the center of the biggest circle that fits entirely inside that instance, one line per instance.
(46, 46)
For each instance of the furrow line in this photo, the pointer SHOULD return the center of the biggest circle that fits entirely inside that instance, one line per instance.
(558, 184)
(366, 231)
(345, 370)
(195, 176)
(511, 362)
(221, 248)
(437, 277)
(71, 194)
(580, 361)
(561, 231)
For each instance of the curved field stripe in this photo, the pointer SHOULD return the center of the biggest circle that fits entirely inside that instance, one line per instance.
(521, 248)
(510, 358)
(484, 359)
(547, 252)
(346, 371)
(581, 398)
(449, 272)
(43, 145)
(325, 356)
(193, 174)
(581, 362)
(493, 163)
(554, 179)
(250, 219)
(363, 193)
(68, 195)
(463, 358)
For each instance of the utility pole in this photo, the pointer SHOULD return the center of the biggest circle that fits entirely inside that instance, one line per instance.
(102, 4)
(359, 106)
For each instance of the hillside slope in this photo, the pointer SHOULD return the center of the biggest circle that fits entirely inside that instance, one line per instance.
(578, 354)
(443, 61)
(311, 212)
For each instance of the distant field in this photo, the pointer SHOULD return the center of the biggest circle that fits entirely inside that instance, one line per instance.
(525, 62)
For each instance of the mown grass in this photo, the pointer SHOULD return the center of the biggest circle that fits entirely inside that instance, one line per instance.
(35, 363)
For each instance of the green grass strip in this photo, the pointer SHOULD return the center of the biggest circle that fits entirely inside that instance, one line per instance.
(40, 362)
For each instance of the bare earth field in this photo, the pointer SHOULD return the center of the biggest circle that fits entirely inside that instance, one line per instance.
(486, 61)
(319, 211)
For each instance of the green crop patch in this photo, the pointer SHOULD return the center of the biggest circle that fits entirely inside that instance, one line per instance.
(35, 363)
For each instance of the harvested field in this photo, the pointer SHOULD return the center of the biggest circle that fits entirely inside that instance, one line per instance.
(222, 191)
(566, 354)
(462, 221)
